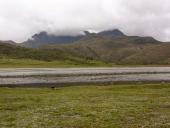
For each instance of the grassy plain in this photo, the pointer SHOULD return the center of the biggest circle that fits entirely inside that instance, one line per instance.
(30, 63)
(115, 106)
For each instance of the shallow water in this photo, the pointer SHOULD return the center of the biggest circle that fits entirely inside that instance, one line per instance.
(83, 75)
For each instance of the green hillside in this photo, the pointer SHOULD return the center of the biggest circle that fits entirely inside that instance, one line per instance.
(16, 56)
(119, 51)
(92, 50)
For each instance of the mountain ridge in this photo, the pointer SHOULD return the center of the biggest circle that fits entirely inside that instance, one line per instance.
(43, 38)
(117, 50)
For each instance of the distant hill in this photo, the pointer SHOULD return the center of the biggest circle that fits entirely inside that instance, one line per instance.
(43, 38)
(15, 51)
(8, 42)
(95, 47)
(124, 50)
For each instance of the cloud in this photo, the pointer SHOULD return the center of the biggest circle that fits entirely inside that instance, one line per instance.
(19, 19)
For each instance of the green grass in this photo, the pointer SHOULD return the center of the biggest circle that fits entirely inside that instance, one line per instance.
(119, 106)
(29, 63)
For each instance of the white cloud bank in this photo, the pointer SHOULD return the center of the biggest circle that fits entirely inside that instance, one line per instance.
(19, 19)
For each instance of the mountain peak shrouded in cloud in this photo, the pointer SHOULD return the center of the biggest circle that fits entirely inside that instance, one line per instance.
(19, 19)
(45, 38)
(114, 33)
(87, 33)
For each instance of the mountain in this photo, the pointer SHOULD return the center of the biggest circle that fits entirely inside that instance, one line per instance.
(124, 50)
(43, 38)
(96, 47)
(112, 33)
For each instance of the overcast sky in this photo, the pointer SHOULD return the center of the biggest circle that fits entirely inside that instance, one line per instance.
(19, 19)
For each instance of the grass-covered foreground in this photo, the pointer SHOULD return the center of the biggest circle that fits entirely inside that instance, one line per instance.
(124, 106)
